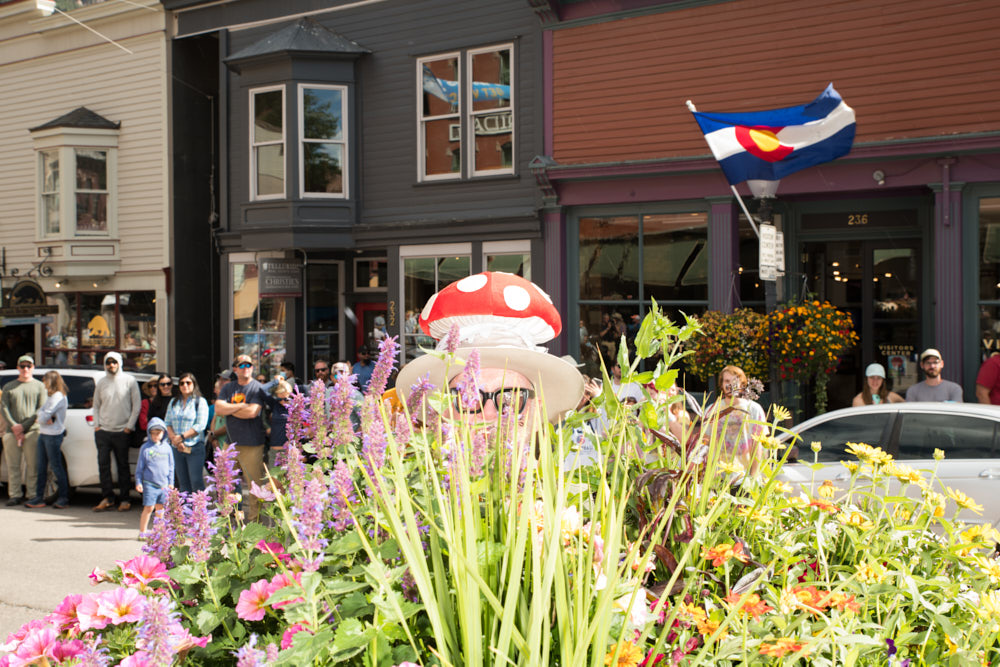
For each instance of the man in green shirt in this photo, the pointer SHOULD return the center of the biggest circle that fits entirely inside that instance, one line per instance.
(19, 405)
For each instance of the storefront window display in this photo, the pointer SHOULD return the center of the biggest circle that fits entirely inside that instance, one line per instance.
(323, 308)
(989, 276)
(422, 277)
(258, 323)
(91, 324)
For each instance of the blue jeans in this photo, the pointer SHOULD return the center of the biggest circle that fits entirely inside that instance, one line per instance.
(189, 469)
(50, 454)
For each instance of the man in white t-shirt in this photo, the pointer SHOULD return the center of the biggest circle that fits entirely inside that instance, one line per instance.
(934, 388)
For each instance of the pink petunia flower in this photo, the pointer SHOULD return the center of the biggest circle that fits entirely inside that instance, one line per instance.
(261, 492)
(98, 576)
(89, 614)
(137, 659)
(276, 549)
(286, 639)
(64, 615)
(37, 647)
(253, 601)
(282, 580)
(68, 649)
(122, 605)
(141, 570)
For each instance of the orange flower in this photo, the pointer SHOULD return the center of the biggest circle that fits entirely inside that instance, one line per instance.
(824, 505)
(845, 603)
(720, 554)
(782, 647)
(749, 604)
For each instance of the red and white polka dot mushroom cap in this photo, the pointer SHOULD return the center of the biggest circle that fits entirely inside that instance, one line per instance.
(487, 304)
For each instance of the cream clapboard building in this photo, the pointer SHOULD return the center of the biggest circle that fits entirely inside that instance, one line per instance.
(84, 178)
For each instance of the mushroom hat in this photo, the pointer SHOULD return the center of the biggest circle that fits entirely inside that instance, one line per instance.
(506, 318)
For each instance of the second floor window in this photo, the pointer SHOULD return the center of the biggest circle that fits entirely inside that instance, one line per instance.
(75, 191)
(267, 143)
(323, 132)
(466, 118)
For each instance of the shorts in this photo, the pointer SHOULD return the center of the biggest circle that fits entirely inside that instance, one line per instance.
(153, 495)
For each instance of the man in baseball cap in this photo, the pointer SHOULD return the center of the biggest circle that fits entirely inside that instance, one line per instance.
(934, 388)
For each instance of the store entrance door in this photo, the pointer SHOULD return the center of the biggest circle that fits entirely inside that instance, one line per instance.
(879, 283)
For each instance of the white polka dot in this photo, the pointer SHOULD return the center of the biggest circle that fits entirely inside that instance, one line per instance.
(540, 291)
(516, 297)
(426, 312)
(472, 283)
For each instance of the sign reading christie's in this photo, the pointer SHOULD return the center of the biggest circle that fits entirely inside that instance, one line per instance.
(280, 277)
(26, 299)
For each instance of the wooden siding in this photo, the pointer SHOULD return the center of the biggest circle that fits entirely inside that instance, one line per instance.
(909, 68)
(397, 32)
(118, 86)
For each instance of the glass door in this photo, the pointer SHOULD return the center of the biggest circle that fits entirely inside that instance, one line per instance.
(879, 283)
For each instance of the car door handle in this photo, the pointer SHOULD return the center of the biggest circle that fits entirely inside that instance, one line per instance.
(990, 473)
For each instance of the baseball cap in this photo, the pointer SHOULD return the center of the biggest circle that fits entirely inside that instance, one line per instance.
(930, 352)
(25, 358)
(875, 370)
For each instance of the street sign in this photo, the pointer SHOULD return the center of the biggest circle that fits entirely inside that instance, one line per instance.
(768, 252)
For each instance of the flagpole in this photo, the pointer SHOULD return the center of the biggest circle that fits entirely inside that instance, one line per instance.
(745, 211)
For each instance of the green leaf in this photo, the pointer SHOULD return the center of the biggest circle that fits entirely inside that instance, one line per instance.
(185, 574)
(666, 380)
(206, 620)
(348, 544)
(489, 554)
(343, 586)
(351, 634)
(354, 604)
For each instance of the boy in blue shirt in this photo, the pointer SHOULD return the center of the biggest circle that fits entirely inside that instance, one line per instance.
(154, 471)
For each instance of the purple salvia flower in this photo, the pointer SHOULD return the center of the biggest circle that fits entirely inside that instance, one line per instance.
(299, 415)
(342, 495)
(159, 631)
(451, 340)
(341, 407)
(251, 656)
(94, 655)
(384, 366)
(477, 459)
(272, 653)
(309, 520)
(468, 382)
(201, 526)
(295, 471)
(317, 425)
(222, 481)
(374, 441)
(415, 402)
(168, 529)
(401, 431)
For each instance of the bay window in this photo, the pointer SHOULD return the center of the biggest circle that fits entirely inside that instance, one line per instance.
(323, 141)
(267, 143)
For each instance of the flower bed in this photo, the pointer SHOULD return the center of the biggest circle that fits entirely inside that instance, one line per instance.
(436, 544)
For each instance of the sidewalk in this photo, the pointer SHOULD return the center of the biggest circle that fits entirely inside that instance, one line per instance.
(47, 554)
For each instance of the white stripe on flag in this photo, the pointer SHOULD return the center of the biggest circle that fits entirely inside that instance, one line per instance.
(723, 142)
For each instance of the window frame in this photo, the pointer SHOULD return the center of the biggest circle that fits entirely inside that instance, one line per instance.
(66, 153)
(341, 305)
(465, 115)
(344, 142)
(253, 145)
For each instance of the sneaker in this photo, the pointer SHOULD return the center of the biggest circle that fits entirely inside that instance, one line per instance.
(15, 501)
(125, 506)
(34, 506)
(60, 506)
(104, 505)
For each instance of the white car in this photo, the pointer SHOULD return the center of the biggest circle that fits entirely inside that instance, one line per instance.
(78, 448)
(967, 433)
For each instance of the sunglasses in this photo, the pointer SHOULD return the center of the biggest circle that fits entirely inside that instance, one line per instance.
(110, 362)
(167, 384)
(504, 399)
(322, 370)
(245, 364)
(183, 382)
(25, 366)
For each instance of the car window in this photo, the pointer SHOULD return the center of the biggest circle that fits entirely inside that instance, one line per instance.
(834, 434)
(81, 391)
(958, 436)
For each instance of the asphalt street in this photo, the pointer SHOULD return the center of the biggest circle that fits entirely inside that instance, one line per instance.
(47, 553)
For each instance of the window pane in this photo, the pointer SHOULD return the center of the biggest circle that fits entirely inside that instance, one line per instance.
(989, 326)
(270, 170)
(272, 353)
(419, 285)
(91, 212)
(81, 391)
(440, 96)
(322, 298)
(323, 171)
(50, 171)
(959, 436)
(609, 267)
(371, 273)
(494, 139)
(321, 110)
(326, 346)
(97, 318)
(272, 314)
(50, 213)
(451, 269)
(442, 147)
(268, 116)
(989, 248)
(896, 286)
(601, 328)
(519, 264)
(751, 286)
(245, 297)
(91, 170)
(491, 80)
(138, 315)
(834, 434)
(675, 256)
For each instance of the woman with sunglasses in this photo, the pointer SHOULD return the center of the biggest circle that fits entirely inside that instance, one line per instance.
(156, 406)
(187, 418)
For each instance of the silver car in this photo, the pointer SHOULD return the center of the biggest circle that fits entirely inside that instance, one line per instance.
(967, 433)
(78, 448)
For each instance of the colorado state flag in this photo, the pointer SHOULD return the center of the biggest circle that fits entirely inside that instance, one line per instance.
(769, 145)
